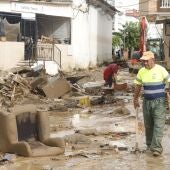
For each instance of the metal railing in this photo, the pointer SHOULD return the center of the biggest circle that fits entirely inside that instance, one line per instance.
(57, 55)
(164, 3)
(47, 52)
(44, 52)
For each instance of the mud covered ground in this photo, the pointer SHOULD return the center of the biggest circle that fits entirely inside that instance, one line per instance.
(98, 137)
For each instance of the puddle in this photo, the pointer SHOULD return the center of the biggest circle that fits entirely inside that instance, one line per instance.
(111, 129)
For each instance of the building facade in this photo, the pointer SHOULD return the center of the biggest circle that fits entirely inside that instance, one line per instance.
(80, 31)
(158, 12)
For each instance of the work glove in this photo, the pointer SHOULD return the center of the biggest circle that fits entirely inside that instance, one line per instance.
(136, 103)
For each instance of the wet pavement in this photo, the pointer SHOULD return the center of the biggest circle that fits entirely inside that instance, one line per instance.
(91, 156)
(97, 139)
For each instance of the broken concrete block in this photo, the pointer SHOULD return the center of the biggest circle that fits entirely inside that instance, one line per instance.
(93, 87)
(87, 131)
(76, 138)
(38, 81)
(56, 88)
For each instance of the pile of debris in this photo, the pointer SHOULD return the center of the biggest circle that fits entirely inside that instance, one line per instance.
(24, 82)
(13, 86)
(25, 85)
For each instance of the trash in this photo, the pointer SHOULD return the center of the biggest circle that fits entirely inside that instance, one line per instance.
(85, 101)
(118, 144)
(9, 157)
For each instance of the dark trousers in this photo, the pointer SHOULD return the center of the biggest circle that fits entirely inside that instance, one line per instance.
(154, 120)
(110, 81)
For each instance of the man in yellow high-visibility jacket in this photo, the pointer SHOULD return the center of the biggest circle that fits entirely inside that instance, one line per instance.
(152, 77)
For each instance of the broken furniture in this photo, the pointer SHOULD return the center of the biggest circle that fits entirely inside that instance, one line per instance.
(25, 131)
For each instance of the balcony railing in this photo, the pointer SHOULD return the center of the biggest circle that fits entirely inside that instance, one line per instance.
(163, 5)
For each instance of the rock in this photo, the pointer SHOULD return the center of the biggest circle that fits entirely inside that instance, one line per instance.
(121, 111)
(87, 131)
(76, 138)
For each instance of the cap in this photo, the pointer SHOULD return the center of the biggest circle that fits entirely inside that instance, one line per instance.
(147, 55)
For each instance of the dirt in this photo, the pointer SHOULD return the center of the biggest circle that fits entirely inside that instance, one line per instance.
(98, 137)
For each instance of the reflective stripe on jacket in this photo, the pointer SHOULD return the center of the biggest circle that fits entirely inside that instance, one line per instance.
(153, 81)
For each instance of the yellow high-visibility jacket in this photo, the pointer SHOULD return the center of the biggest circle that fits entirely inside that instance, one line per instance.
(153, 81)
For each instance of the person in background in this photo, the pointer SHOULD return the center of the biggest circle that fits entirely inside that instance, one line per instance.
(152, 77)
(110, 73)
(118, 54)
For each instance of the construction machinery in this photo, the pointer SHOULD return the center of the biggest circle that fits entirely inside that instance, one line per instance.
(146, 44)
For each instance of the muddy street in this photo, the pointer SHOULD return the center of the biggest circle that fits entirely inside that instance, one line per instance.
(79, 82)
(97, 137)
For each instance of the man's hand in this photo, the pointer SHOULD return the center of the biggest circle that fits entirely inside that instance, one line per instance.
(168, 99)
(168, 95)
(136, 103)
(114, 76)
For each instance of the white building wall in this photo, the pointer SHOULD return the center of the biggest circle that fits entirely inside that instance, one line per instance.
(80, 40)
(104, 37)
(93, 52)
(91, 40)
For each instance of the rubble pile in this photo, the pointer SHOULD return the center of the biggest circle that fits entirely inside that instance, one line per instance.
(18, 84)
(12, 87)
(24, 84)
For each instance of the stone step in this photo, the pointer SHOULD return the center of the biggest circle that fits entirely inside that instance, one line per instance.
(25, 63)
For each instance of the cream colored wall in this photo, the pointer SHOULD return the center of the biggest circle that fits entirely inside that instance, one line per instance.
(67, 60)
(10, 54)
(143, 7)
(91, 38)
(152, 8)
(147, 7)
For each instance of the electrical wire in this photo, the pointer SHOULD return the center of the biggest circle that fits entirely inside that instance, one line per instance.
(160, 34)
(133, 4)
(19, 14)
(42, 16)
(164, 42)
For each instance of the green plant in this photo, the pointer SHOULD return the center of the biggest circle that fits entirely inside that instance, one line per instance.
(130, 35)
(116, 39)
